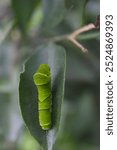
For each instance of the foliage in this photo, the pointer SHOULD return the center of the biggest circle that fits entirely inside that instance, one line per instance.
(33, 29)
(51, 55)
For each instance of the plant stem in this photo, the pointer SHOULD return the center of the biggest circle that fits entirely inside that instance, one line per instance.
(72, 36)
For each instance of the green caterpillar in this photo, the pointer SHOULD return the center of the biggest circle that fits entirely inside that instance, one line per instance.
(42, 79)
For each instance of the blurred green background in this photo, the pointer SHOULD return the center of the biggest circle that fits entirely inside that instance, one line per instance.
(23, 25)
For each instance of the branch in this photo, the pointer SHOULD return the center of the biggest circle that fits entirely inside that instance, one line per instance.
(82, 29)
(72, 36)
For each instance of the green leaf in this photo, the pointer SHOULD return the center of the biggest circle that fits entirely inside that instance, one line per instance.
(83, 11)
(23, 10)
(80, 7)
(54, 56)
(54, 13)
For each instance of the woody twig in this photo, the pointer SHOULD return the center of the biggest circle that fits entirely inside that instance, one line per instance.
(72, 37)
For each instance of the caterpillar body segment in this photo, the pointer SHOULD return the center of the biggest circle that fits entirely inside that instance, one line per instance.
(42, 80)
